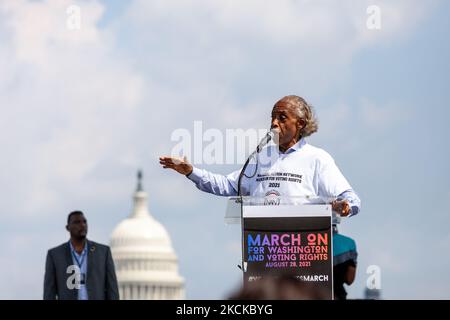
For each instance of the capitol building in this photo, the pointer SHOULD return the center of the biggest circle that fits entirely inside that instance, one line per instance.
(146, 264)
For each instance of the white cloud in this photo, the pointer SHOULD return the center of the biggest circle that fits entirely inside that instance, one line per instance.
(67, 103)
(382, 117)
(40, 30)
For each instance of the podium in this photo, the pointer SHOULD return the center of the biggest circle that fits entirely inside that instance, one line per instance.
(285, 236)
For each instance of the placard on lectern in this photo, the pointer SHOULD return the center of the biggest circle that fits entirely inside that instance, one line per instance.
(285, 236)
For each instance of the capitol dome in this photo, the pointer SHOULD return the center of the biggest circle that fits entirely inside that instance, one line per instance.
(146, 264)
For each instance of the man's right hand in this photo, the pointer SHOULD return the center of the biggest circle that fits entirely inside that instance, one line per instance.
(179, 165)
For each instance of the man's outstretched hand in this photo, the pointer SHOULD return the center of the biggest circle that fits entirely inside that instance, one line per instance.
(179, 165)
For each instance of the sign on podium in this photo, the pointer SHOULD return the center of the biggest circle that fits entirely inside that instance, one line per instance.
(285, 236)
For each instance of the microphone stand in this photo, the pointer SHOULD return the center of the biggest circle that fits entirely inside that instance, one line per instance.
(239, 199)
(241, 175)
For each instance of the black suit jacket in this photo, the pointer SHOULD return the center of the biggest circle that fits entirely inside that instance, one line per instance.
(101, 281)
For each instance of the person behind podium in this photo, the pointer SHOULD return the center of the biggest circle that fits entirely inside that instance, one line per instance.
(311, 171)
(345, 259)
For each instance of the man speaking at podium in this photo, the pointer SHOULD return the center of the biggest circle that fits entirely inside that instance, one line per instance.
(290, 167)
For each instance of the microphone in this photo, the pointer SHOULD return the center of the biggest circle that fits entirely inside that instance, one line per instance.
(269, 136)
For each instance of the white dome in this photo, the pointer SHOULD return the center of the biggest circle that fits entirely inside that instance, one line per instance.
(143, 233)
(146, 264)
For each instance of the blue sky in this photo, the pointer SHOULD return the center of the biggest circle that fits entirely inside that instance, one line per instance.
(82, 110)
